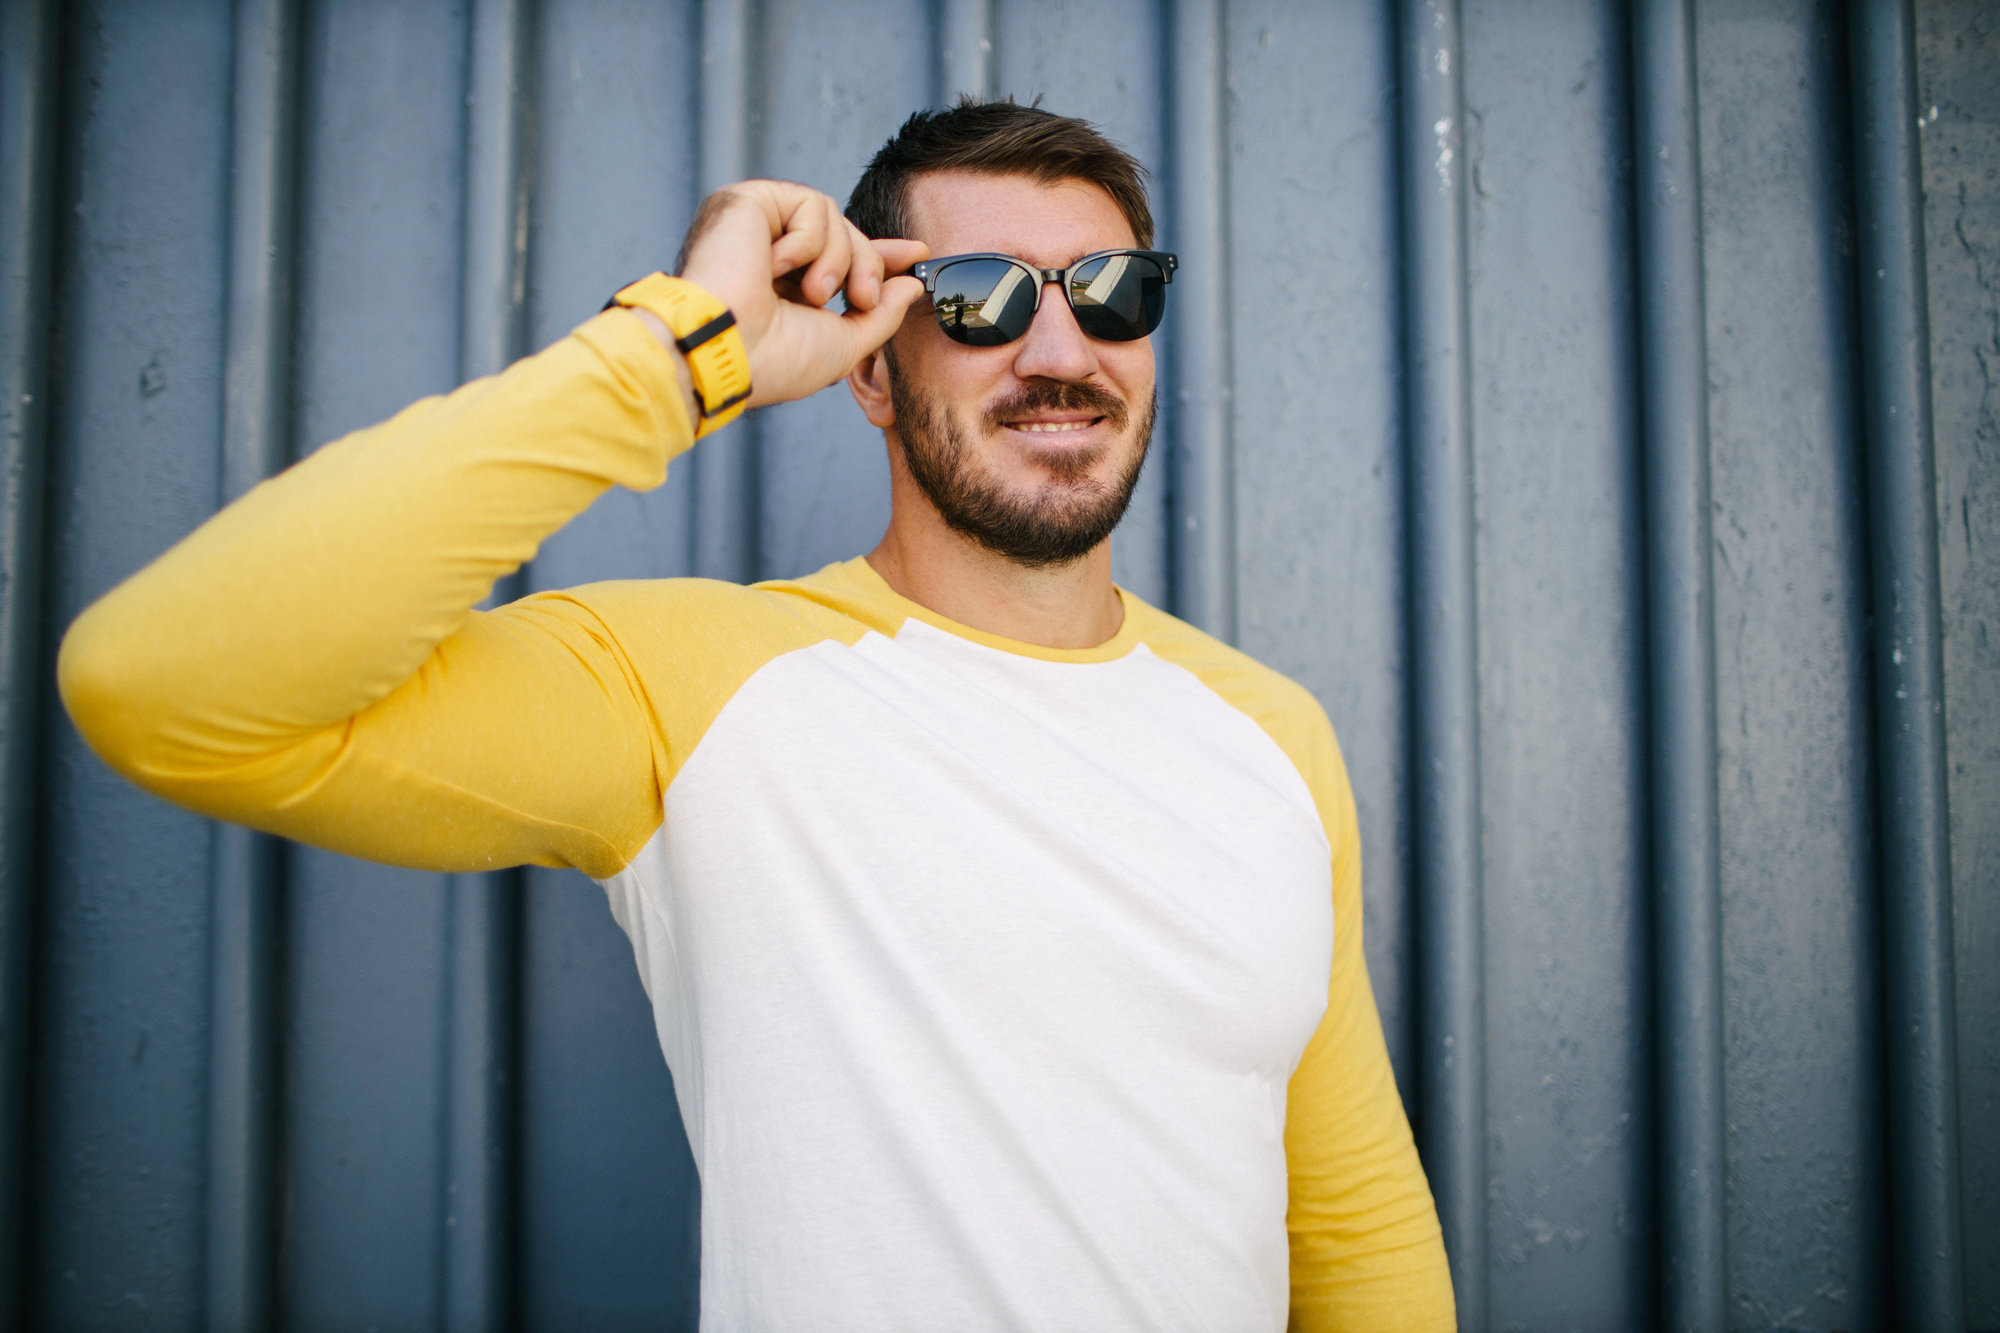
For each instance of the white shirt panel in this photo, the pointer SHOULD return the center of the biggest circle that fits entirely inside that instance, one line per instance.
(981, 978)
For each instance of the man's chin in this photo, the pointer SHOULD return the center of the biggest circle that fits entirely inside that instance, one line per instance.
(1040, 505)
(1030, 468)
(1042, 521)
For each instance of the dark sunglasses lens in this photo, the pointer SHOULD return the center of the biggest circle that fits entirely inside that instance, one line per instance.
(984, 302)
(1118, 298)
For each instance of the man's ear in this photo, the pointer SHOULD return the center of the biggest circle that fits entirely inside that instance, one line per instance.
(869, 383)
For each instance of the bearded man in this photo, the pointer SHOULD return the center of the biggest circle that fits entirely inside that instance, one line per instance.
(1003, 932)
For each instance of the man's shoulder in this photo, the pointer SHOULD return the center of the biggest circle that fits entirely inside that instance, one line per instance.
(689, 645)
(693, 631)
(1285, 709)
(808, 609)
(1241, 679)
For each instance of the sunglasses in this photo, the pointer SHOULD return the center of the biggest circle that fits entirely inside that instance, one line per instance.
(985, 300)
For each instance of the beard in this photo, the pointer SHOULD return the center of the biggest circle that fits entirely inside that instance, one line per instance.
(1068, 517)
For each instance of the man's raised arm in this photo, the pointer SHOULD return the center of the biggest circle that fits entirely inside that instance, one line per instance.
(308, 661)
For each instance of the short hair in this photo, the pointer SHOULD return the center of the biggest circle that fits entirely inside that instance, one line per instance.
(995, 138)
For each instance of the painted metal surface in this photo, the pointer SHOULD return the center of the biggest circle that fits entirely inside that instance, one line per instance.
(28, 92)
(1443, 629)
(1920, 1013)
(244, 888)
(1579, 482)
(1803, 1090)
(1958, 46)
(1680, 607)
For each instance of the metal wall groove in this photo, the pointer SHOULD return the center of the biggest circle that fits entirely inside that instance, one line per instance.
(28, 91)
(1444, 644)
(1203, 466)
(1920, 1017)
(246, 867)
(725, 478)
(1508, 402)
(1687, 909)
(483, 910)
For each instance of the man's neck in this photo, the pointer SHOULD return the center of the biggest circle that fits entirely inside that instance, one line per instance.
(1067, 606)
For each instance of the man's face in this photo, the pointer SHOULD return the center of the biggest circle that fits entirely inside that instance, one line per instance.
(1030, 448)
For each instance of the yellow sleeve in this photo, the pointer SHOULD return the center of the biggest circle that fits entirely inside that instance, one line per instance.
(308, 662)
(1367, 1251)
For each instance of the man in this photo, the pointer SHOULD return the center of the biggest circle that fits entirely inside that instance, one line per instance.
(1002, 932)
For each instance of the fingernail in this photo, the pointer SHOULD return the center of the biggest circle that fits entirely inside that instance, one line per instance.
(781, 268)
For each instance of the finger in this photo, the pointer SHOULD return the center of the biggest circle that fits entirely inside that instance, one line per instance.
(864, 273)
(898, 255)
(804, 235)
(809, 348)
(829, 271)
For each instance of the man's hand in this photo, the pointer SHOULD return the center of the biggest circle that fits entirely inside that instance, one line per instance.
(775, 252)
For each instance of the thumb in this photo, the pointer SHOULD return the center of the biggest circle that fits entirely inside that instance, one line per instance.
(871, 328)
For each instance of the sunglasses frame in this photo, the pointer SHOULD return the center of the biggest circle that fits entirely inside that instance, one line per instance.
(927, 272)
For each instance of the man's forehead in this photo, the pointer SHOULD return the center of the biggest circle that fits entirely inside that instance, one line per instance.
(1049, 223)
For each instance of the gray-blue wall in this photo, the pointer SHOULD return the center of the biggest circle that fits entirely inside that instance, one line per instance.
(1531, 394)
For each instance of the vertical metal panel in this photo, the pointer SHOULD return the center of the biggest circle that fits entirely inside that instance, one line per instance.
(611, 1200)
(616, 98)
(1297, 148)
(964, 50)
(1317, 417)
(1444, 645)
(725, 468)
(1040, 55)
(1560, 642)
(1958, 48)
(363, 1233)
(1801, 1017)
(498, 185)
(609, 1203)
(242, 1039)
(28, 85)
(483, 910)
(837, 81)
(263, 151)
(380, 293)
(1909, 673)
(1680, 609)
(122, 996)
(1204, 466)
(481, 926)
(243, 898)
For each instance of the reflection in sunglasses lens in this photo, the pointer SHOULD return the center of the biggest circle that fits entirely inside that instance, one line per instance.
(985, 302)
(1118, 298)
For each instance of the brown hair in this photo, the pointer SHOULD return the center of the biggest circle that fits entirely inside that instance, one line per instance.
(996, 139)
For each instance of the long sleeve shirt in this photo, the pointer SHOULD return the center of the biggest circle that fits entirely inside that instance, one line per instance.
(1003, 986)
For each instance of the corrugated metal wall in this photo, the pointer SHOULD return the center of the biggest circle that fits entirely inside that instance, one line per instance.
(1550, 386)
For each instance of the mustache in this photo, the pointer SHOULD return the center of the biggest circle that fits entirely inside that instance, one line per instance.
(1059, 396)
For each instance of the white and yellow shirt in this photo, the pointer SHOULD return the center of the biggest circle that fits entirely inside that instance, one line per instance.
(1003, 987)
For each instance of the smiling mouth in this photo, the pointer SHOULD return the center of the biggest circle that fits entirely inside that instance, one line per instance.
(1052, 427)
(1058, 412)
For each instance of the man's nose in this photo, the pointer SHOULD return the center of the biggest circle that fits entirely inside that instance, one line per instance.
(1054, 347)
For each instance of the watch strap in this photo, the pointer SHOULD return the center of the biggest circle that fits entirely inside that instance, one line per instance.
(705, 331)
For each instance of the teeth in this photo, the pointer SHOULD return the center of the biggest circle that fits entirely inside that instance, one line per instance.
(1052, 427)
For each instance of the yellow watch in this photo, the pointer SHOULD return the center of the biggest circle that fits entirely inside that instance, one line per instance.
(705, 332)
